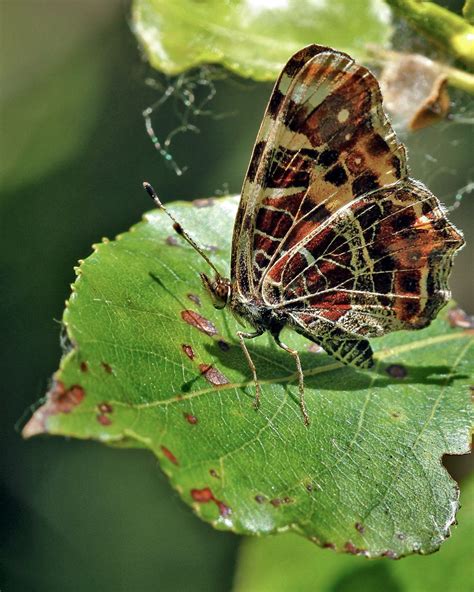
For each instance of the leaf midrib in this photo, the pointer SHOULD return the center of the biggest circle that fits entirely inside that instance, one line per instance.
(379, 356)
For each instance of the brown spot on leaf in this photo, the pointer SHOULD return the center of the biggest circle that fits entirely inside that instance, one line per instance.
(457, 318)
(204, 496)
(395, 414)
(103, 419)
(259, 499)
(223, 345)
(401, 536)
(169, 455)
(84, 367)
(194, 298)
(309, 487)
(106, 367)
(199, 322)
(67, 400)
(203, 202)
(105, 407)
(396, 371)
(188, 350)
(213, 473)
(172, 241)
(213, 375)
(190, 418)
(329, 546)
(359, 527)
(278, 501)
(224, 510)
(58, 400)
(353, 550)
(390, 554)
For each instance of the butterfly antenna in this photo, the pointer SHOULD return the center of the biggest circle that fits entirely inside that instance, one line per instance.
(177, 226)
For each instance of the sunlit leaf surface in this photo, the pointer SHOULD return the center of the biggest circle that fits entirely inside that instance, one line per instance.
(253, 38)
(278, 564)
(154, 365)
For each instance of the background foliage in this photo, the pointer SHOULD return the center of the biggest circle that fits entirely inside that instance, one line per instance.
(241, 35)
(74, 510)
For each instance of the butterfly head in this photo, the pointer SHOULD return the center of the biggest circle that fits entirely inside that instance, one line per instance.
(218, 288)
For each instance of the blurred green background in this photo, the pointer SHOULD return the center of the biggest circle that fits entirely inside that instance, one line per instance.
(74, 151)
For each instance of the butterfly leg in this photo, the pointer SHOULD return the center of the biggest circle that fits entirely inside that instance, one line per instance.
(242, 336)
(296, 357)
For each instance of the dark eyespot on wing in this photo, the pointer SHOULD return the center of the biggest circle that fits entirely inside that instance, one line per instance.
(337, 176)
(328, 158)
(395, 162)
(365, 183)
(275, 102)
(376, 146)
(409, 281)
(256, 156)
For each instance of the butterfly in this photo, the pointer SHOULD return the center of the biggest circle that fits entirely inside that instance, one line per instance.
(332, 237)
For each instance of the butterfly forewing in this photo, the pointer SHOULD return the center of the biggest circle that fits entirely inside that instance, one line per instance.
(324, 139)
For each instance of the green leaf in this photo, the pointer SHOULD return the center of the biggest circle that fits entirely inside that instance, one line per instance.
(468, 11)
(446, 29)
(153, 364)
(253, 39)
(278, 564)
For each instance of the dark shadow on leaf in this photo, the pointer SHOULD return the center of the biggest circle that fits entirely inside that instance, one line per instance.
(164, 287)
(186, 387)
(272, 364)
(438, 375)
(459, 466)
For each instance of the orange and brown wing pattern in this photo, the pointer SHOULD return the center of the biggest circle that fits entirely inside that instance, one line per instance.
(324, 140)
(379, 265)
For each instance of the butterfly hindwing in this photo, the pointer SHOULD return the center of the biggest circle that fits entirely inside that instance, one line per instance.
(379, 265)
(346, 348)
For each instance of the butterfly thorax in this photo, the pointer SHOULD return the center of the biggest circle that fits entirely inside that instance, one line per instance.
(257, 313)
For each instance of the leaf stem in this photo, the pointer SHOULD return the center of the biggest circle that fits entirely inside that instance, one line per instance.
(460, 79)
(443, 27)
